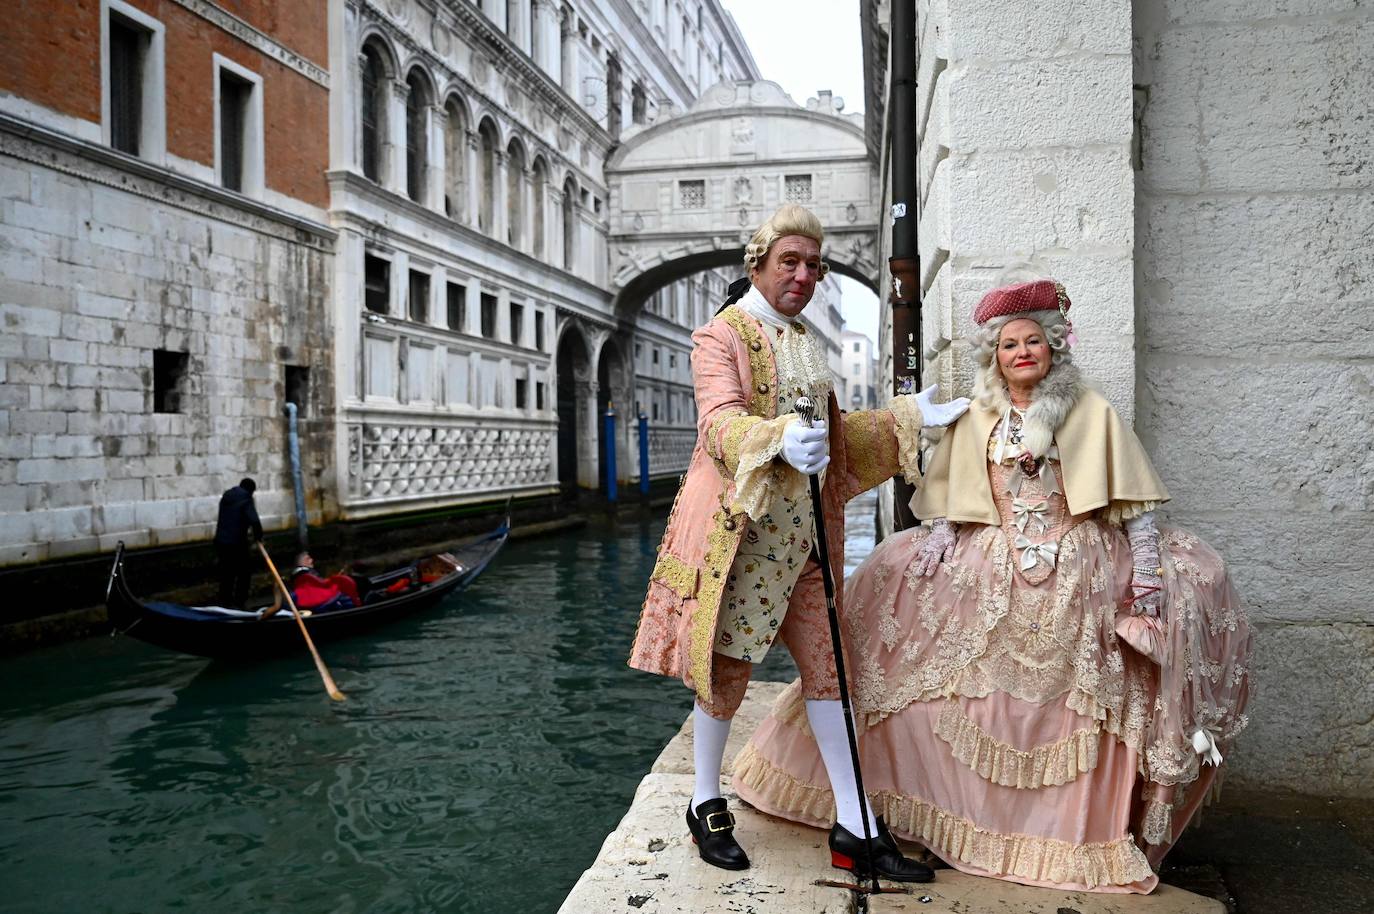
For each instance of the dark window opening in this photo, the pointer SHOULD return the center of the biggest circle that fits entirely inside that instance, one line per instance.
(539, 395)
(416, 160)
(371, 112)
(613, 96)
(128, 44)
(376, 284)
(457, 306)
(517, 323)
(539, 331)
(655, 355)
(169, 380)
(234, 95)
(419, 296)
(638, 104)
(297, 378)
(488, 316)
(521, 393)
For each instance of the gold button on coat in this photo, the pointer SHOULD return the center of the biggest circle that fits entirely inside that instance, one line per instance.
(730, 523)
(763, 388)
(756, 345)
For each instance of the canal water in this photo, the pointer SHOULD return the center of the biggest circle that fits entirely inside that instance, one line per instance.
(485, 750)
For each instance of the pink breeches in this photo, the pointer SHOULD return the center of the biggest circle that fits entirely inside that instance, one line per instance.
(806, 632)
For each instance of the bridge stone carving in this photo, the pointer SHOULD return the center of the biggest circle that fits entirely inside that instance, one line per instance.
(688, 191)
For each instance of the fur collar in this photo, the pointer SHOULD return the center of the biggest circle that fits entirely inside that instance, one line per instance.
(1051, 402)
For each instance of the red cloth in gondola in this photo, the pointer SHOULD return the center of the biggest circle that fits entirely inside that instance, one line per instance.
(310, 591)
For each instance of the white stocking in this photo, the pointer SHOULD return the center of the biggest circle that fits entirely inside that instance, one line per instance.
(708, 752)
(827, 723)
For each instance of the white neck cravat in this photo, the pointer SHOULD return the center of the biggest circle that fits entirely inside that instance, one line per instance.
(756, 306)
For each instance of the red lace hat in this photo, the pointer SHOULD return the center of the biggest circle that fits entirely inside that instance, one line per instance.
(1040, 295)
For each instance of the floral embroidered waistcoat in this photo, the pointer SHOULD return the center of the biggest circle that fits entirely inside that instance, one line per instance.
(774, 549)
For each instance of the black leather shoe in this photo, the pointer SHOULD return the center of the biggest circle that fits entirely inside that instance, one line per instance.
(847, 852)
(713, 832)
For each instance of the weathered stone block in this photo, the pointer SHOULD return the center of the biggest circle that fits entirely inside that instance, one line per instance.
(1022, 30)
(51, 469)
(1041, 102)
(19, 318)
(1015, 202)
(1313, 710)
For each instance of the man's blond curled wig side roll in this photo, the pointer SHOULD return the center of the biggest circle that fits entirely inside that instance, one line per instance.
(790, 219)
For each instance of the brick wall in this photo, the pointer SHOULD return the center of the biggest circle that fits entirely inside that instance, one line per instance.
(1255, 295)
(39, 34)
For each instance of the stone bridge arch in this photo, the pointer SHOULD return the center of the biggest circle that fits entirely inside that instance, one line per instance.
(687, 192)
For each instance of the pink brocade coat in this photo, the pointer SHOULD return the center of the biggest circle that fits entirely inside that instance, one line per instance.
(735, 375)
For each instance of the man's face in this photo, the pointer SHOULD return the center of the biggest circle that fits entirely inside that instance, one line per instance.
(787, 277)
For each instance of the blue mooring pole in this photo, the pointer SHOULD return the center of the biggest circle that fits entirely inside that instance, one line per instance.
(610, 453)
(643, 454)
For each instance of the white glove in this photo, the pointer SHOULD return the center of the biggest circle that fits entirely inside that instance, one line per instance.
(806, 449)
(1146, 581)
(938, 547)
(938, 414)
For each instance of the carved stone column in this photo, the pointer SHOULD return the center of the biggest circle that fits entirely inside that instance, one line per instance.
(394, 150)
(496, 12)
(587, 393)
(474, 178)
(569, 39)
(545, 38)
(499, 222)
(436, 176)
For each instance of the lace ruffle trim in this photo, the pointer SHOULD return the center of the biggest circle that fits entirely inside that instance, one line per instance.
(908, 427)
(760, 480)
(1117, 862)
(1157, 825)
(1048, 765)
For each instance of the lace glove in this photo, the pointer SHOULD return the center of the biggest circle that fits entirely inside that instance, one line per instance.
(806, 448)
(940, 414)
(1146, 571)
(938, 547)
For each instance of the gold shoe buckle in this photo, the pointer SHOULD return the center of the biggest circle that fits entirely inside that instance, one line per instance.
(713, 828)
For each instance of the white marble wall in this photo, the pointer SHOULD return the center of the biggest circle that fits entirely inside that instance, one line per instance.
(1254, 287)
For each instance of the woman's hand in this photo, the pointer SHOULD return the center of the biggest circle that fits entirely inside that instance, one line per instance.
(938, 547)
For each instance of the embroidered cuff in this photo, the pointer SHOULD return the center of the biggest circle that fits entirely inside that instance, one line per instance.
(909, 423)
(760, 479)
(1118, 512)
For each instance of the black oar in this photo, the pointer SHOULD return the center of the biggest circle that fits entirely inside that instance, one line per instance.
(805, 408)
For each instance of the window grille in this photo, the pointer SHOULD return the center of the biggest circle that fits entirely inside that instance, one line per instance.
(126, 85)
(692, 194)
(797, 188)
(234, 94)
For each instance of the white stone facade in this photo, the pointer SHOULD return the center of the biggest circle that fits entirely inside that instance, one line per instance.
(1201, 178)
(475, 180)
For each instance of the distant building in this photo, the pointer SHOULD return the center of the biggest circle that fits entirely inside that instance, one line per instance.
(860, 371)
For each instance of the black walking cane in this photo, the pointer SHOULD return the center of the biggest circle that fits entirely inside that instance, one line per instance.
(805, 408)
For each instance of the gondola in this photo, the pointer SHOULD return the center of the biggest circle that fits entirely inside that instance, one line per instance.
(244, 635)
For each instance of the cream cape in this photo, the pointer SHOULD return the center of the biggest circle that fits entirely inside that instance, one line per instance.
(1102, 462)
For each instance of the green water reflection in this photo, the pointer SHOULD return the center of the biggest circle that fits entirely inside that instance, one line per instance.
(485, 750)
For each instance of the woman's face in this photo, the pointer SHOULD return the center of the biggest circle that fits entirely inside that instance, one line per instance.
(1023, 353)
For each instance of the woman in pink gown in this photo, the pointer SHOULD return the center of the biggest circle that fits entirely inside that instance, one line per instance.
(1044, 679)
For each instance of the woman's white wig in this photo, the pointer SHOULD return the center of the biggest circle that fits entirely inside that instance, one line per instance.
(790, 219)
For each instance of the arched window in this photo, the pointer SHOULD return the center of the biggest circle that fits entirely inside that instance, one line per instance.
(486, 217)
(455, 162)
(540, 192)
(569, 223)
(515, 194)
(417, 150)
(372, 112)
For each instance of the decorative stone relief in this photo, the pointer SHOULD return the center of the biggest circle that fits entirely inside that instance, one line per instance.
(744, 191)
(399, 10)
(441, 39)
(390, 461)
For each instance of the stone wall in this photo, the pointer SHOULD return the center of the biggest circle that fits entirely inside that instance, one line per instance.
(1255, 301)
(1024, 120)
(104, 261)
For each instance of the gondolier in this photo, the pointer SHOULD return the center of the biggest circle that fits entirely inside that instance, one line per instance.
(236, 528)
(736, 570)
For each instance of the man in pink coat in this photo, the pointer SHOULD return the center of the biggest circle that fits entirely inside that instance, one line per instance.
(736, 569)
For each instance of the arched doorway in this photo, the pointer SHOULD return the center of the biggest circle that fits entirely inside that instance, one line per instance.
(613, 390)
(573, 366)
